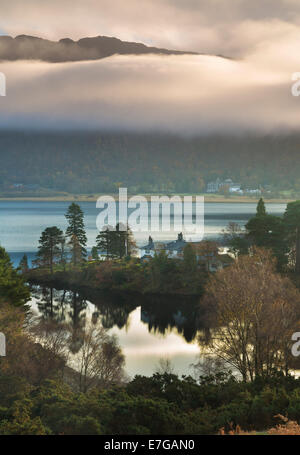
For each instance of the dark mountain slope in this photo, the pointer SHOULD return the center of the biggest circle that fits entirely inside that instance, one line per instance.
(25, 47)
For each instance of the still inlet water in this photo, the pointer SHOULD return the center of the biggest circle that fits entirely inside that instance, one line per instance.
(148, 329)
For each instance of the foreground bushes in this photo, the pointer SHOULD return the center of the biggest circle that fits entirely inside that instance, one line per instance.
(162, 404)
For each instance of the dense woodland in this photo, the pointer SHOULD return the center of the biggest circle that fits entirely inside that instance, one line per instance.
(99, 163)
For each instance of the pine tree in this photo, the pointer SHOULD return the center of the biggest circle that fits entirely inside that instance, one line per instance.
(63, 253)
(76, 233)
(123, 244)
(94, 253)
(104, 242)
(24, 264)
(118, 243)
(268, 231)
(261, 209)
(76, 250)
(49, 247)
(12, 287)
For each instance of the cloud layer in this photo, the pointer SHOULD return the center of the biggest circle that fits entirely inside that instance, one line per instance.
(186, 94)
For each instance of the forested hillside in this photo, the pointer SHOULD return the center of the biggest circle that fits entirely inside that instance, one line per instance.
(101, 162)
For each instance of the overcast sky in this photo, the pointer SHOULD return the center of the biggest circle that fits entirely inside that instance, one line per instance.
(186, 93)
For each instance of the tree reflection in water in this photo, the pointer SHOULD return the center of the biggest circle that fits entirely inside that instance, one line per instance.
(184, 316)
(162, 314)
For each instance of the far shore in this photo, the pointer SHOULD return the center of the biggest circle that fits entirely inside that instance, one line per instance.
(93, 198)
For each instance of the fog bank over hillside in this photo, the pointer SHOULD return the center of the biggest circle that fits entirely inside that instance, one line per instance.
(250, 92)
(188, 95)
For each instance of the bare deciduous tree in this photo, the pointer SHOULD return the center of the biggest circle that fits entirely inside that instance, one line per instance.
(165, 366)
(26, 355)
(255, 311)
(100, 361)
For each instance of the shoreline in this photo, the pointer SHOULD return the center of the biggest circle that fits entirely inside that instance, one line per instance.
(89, 198)
(75, 281)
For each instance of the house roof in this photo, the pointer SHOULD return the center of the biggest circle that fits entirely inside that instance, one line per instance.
(176, 245)
(149, 246)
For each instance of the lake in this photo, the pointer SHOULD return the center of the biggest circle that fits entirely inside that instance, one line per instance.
(147, 330)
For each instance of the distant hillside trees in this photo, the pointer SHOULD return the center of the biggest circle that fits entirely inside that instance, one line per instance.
(97, 162)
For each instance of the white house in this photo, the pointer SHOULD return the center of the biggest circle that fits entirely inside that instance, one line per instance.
(173, 249)
(214, 187)
(209, 259)
(148, 251)
(236, 188)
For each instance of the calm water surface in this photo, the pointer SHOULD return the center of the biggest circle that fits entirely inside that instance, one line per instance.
(147, 328)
